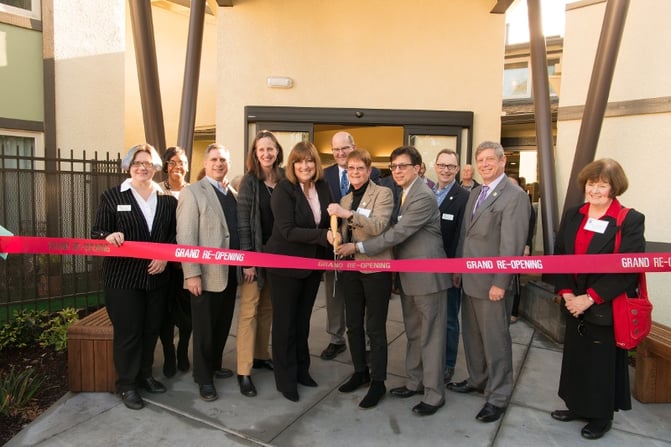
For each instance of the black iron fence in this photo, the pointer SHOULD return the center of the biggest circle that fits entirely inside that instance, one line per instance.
(55, 198)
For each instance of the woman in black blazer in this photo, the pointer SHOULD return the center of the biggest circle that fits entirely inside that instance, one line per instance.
(594, 375)
(300, 229)
(136, 289)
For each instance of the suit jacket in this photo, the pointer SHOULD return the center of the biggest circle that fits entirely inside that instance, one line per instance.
(606, 285)
(498, 228)
(379, 201)
(131, 273)
(295, 232)
(201, 221)
(332, 177)
(451, 217)
(416, 235)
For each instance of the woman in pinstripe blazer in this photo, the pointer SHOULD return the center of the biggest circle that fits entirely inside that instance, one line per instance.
(136, 289)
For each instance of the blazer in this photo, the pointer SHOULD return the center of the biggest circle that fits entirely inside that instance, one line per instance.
(451, 217)
(119, 211)
(607, 286)
(295, 232)
(332, 177)
(416, 235)
(379, 202)
(201, 221)
(498, 228)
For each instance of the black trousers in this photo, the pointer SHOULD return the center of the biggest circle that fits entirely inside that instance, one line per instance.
(177, 312)
(211, 315)
(292, 299)
(136, 317)
(367, 298)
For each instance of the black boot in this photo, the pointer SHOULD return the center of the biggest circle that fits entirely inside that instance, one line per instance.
(375, 393)
(354, 382)
(169, 368)
(183, 352)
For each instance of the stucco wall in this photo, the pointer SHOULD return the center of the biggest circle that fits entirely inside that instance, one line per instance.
(21, 85)
(639, 142)
(89, 59)
(348, 53)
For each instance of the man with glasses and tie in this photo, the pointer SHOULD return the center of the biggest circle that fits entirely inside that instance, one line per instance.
(342, 144)
(452, 200)
(495, 224)
(416, 235)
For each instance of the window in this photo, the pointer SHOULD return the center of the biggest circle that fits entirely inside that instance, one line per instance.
(517, 79)
(26, 8)
(17, 150)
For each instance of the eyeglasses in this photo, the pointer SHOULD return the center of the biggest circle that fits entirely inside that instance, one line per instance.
(401, 166)
(341, 149)
(356, 168)
(448, 167)
(181, 164)
(142, 164)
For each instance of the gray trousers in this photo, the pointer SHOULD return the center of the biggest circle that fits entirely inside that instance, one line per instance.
(335, 309)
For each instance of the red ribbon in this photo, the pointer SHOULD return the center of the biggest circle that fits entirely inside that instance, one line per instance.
(606, 263)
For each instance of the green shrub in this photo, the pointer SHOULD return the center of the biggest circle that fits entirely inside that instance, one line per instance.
(55, 332)
(17, 390)
(23, 330)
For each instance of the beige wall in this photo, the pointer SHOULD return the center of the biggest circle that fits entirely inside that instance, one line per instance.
(638, 141)
(88, 51)
(348, 53)
(171, 29)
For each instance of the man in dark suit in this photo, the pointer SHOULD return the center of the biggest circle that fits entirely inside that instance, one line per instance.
(335, 175)
(207, 216)
(451, 205)
(495, 224)
(416, 235)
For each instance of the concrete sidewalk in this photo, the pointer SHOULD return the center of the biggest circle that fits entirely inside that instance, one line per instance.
(325, 417)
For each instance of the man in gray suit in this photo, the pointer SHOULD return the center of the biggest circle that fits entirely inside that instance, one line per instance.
(417, 235)
(495, 224)
(207, 216)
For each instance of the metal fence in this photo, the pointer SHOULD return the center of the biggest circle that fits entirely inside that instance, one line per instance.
(53, 197)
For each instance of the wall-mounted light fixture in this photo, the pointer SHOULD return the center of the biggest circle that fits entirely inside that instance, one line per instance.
(279, 82)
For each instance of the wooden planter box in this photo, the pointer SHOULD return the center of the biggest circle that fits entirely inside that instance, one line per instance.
(652, 379)
(90, 356)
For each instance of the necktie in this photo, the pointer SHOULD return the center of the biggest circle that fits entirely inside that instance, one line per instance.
(481, 197)
(403, 197)
(344, 184)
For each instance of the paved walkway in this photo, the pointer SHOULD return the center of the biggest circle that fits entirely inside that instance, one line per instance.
(325, 417)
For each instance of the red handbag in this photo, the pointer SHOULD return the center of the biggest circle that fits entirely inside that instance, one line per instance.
(632, 317)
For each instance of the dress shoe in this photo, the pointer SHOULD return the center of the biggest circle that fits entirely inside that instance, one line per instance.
(354, 382)
(462, 387)
(169, 361)
(247, 387)
(564, 415)
(403, 392)
(263, 364)
(596, 428)
(183, 355)
(223, 373)
(131, 399)
(152, 385)
(207, 392)
(424, 409)
(376, 391)
(291, 395)
(307, 381)
(447, 376)
(489, 413)
(331, 351)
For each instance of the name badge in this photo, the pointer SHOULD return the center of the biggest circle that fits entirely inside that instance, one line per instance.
(363, 211)
(123, 207)
(448, 216)
(596, 225)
